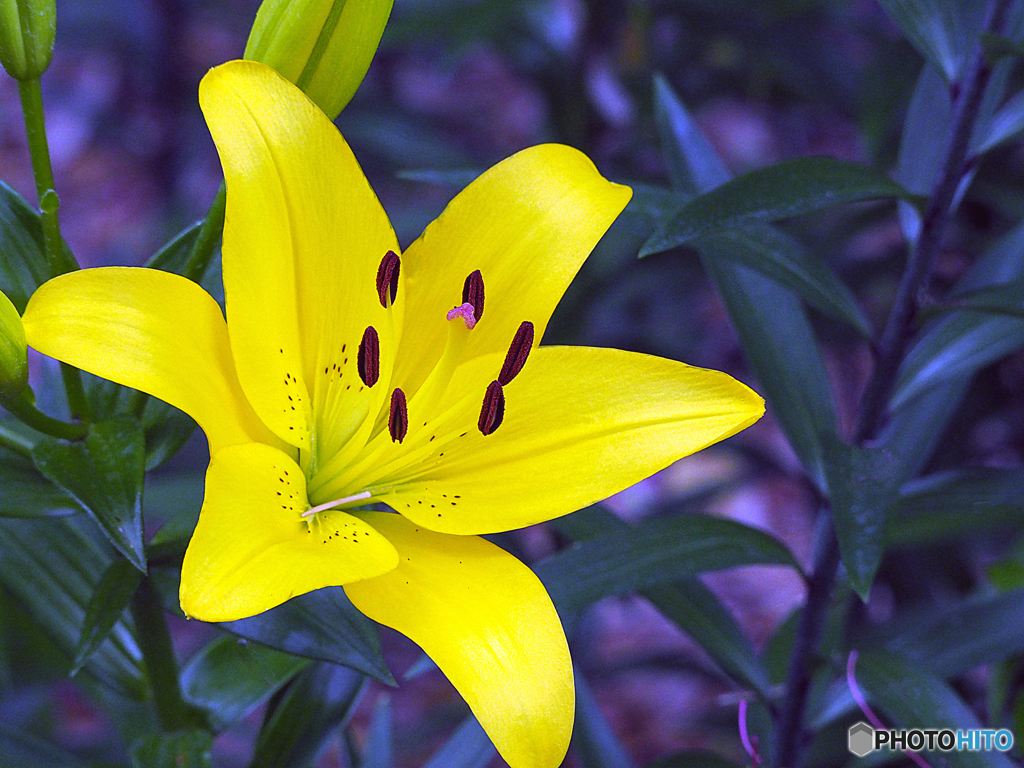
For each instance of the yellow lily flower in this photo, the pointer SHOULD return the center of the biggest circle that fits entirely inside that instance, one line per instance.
(347, 375)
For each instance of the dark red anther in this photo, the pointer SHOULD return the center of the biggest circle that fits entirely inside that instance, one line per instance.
(473, 292)
(516, 356)
(494, 409)
(368, 359)
(398, 419)
(387, 278)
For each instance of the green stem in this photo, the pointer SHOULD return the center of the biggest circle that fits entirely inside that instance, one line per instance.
(40, 422)
(14, 442)
(209, 233)
(158, 655)
(59, 258)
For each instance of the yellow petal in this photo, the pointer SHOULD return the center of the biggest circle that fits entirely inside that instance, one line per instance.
(486, 621)
(303, 237)
(580, 424)
(253, 549)
(527, 224)
(152, 331)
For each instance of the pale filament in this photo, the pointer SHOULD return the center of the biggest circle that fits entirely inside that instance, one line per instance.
(336, 503)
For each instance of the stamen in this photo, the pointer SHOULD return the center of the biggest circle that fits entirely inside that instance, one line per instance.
(387, 278)
(368, 360)
(398, 419)
(493, 411)
(336, 503)
(466, 311)
(515, 359)
(473, 293)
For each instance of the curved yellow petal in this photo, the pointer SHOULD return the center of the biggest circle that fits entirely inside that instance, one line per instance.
(580, 424)
(487, 622)
(253, 549)
(527, 224)
(152, 331)
(303, 237)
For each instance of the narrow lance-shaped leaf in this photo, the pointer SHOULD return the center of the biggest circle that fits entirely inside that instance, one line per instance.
(785, 260)
(468, 747)
(862, 485)
(27, 493)
(104, 473)
(379, 751)
(780, 191)
(914, 699)
(686, 602)
(955, 638)
(693, 165)
(314, 705)
(959, 503)
(937, 29)
(54, 565)
(772, 326)
(654, 552)
(229, 677)
(319, 625)
(23, 265)
(107, 605)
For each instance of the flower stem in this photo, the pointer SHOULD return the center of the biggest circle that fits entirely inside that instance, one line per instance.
(202, 249)
(892, 348)
(40, 422)
(158, 655)
(58, 257)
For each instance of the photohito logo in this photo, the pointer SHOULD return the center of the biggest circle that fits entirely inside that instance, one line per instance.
(862, 739)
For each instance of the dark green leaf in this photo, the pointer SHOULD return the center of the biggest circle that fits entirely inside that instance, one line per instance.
(106, 607)
(862, 487)
(954, 639)
(319, 625)
(23, 266)
(229, 677)
(173, 256)
(379, 751)
(184, 749)
(785, 260)
(696, 758)
(693, 165)
(24, 751)
(936, 28)
(914, 699)
(777, 339)
(781, 191)
(772, 326)
(956, 504)
(1007, 299)
(956, 348)
(319, 701)
(53, 566)
(655, 552)
(104, 473)
(686, 602)
(592, 735)
(468, 747)
(27, 493)
(1006, 123)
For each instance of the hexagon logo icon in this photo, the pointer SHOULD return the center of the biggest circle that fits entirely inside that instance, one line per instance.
(860, 739)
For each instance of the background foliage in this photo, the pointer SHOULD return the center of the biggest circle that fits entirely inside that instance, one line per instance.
(827, 205)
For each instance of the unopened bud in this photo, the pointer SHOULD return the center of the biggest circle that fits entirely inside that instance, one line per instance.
(13, 350)
(27, 29)
(323, 46)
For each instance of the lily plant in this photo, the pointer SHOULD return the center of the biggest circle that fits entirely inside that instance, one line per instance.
(371, 412)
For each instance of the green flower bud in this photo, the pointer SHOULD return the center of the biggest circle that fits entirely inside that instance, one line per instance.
(27, 28)
(13, 350)
(323, 46)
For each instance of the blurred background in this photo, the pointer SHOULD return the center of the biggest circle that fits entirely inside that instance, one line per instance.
(456, 86)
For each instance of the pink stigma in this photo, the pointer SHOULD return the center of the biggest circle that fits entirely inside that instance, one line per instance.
(466, 312)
